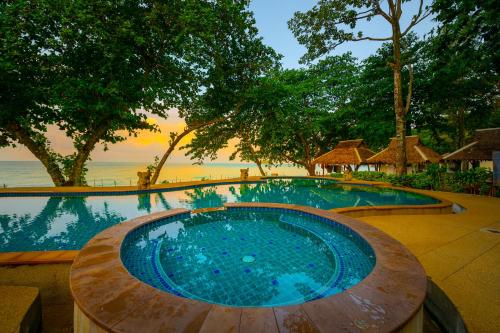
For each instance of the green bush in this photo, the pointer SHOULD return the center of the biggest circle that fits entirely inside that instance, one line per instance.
(435, 177)
(435, 173)
(473, 181)
(370, 175)
(336, 175)
(415, 180)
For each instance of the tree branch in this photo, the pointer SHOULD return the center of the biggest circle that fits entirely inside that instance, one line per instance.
(38, 149)
(378, 10)
(417, 18)
(371, 38)
(399, 9)
(359, 16)
(392, 8)
(291, 159)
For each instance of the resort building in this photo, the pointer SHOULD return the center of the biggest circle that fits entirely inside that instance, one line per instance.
(348, 153)
(417, 156)
(480, 151)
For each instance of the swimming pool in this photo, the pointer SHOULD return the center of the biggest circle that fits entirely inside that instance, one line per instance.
(45, 223)
(248, 257)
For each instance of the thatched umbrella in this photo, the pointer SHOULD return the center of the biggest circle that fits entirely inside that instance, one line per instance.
(348, 152)
(416, 153)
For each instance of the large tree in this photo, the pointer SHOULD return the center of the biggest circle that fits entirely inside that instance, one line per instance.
(287, 117)
(333, 22)
(95, 69)
(236, 58)
(26, 75)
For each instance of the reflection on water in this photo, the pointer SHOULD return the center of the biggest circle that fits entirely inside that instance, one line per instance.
(54, 223)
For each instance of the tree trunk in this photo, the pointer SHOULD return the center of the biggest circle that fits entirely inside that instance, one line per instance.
(169, 151)
(399, 108)
(460, 128)
(75, 177)
(176, 141)
(259, 165)
(256, 160)
(40, 151)
(311, 169)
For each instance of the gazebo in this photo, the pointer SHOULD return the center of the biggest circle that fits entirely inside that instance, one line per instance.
(416, 154)
(346, 153)
(480, 151)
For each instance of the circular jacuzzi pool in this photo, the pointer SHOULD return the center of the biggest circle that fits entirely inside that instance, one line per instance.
(253, 267)
(248, 257)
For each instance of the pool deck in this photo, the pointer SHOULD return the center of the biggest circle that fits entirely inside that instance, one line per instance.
(456, 252)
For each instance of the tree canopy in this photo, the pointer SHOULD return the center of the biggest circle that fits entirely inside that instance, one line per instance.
(96, 69)
(287, 117)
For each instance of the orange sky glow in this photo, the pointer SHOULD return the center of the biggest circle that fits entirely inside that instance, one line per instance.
(142, 148)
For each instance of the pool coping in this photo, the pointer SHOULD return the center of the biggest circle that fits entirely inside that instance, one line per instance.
(118, 190)
(386, 300)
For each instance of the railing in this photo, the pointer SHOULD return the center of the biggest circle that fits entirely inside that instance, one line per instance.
(102, 182)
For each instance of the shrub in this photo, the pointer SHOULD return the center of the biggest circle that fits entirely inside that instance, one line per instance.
(473, 181)
(435, 177)
(435, 173)
(370, 175)
(336, 175)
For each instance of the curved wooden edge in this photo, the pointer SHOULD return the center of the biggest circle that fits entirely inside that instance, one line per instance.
(386, 300)
(37, 257)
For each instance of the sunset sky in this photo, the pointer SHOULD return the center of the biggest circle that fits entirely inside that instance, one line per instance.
(271, 17)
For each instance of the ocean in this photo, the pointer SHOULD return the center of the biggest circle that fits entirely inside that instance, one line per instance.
(32, 173)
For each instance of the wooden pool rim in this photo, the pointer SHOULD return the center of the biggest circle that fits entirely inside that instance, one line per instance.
(389, 299)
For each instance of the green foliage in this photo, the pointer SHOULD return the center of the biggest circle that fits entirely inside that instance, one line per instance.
(472, 181)
(435, 177)
(369, 175)
(286, 116)
(415, 180)
(435, 174)
(67, 166)
(461, 59)
(95, 69)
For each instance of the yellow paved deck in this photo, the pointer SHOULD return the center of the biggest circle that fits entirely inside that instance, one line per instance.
(460, 258)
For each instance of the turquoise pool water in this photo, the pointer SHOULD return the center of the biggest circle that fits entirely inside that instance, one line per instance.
(248, 257)
(68, 222)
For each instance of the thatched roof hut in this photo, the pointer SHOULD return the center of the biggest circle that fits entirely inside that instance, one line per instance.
(416, 153)
(481, 148)
(348, 152)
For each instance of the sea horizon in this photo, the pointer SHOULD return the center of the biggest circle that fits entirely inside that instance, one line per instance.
(122, 173)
